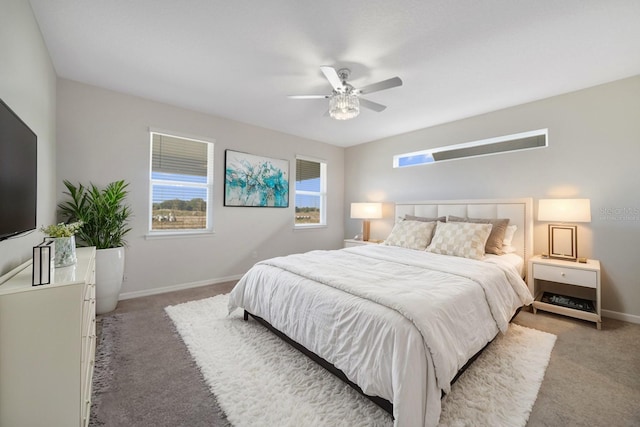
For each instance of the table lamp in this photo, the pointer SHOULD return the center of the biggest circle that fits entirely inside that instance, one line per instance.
(366, 212)
(563, 238)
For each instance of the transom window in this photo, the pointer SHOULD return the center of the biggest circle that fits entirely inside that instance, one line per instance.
(502, 144)
(181, 182)
(311, 192)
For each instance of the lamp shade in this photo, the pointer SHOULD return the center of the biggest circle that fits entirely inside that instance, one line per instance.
(366, 210)
(564, 210)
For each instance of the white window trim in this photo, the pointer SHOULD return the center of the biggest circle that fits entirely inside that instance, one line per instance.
(158, 234)
(322, 194)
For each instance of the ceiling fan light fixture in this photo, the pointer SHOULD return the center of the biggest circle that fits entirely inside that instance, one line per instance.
(344, 106)
(344, 100)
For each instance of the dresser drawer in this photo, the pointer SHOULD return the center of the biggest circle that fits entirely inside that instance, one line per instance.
(570, 276)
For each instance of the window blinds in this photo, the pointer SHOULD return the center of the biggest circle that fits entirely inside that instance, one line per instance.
(179, 156)
(307, 175)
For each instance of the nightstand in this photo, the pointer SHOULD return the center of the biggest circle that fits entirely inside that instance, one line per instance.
(349, 243)
(566, 287)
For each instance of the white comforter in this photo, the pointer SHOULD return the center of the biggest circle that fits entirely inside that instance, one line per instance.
(399, 323)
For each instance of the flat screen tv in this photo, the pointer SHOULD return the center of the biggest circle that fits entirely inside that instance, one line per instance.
(18, 174)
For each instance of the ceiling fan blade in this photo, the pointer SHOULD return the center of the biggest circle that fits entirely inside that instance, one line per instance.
(385, 84)
(332, 75)
(372, 105)
(307, 96)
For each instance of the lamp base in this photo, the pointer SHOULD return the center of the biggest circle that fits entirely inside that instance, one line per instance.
(366, 228)
(564, 258)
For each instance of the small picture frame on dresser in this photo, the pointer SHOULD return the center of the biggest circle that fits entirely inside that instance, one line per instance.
(43, 263)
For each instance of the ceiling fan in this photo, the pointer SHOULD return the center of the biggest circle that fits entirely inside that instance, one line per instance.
(345, 100)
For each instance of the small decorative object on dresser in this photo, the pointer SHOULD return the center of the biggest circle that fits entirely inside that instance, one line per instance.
(566, 287)
(65, 242)
(43, 263)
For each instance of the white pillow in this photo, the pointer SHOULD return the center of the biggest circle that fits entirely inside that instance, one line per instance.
(463, 239)
(509, 249)
(508, 235)
(411, 234)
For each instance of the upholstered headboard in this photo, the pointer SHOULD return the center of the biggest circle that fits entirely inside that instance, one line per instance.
(519, 212)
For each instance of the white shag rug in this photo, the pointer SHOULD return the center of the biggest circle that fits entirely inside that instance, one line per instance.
(259, 380)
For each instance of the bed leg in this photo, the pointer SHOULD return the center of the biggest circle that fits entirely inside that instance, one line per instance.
(246, 315)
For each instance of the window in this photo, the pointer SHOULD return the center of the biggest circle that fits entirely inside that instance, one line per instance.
(485, 147)
(311, 192)
(181, 184)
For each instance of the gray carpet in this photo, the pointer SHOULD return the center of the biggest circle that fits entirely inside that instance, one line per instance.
(145, 376)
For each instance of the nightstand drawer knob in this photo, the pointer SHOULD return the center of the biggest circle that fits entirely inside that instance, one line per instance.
(562, 274)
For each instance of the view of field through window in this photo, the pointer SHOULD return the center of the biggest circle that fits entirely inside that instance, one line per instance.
(175, 210)
(308, 192)
(306, 212)
(179, 183)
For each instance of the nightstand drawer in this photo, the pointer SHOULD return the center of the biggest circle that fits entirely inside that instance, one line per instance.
(569, 276)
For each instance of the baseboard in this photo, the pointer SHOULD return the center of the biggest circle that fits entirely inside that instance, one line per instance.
(178, 287)
(631, 318)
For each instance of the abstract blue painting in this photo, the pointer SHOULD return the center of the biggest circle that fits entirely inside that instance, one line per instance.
(255, 181)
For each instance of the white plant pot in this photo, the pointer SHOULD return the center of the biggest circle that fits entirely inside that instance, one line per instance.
(109, 276)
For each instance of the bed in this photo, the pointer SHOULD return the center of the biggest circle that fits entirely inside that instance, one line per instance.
(396, 320)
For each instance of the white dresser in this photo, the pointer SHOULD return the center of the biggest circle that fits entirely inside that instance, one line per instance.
(47, 346)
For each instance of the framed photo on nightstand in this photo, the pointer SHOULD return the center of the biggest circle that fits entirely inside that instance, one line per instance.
(563, 242)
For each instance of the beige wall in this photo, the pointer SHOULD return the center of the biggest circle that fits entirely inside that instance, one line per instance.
(103, 136)
(594, 147)
(28, 86)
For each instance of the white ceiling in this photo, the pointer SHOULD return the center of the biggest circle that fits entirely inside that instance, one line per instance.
(240, 59)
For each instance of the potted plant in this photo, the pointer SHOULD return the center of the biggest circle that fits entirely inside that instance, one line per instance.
(65, 243)
(104, 216)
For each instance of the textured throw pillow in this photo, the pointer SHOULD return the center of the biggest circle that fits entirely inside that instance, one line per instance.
(411, 234)
(494, 242)
(423, 219)
(463, 239)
